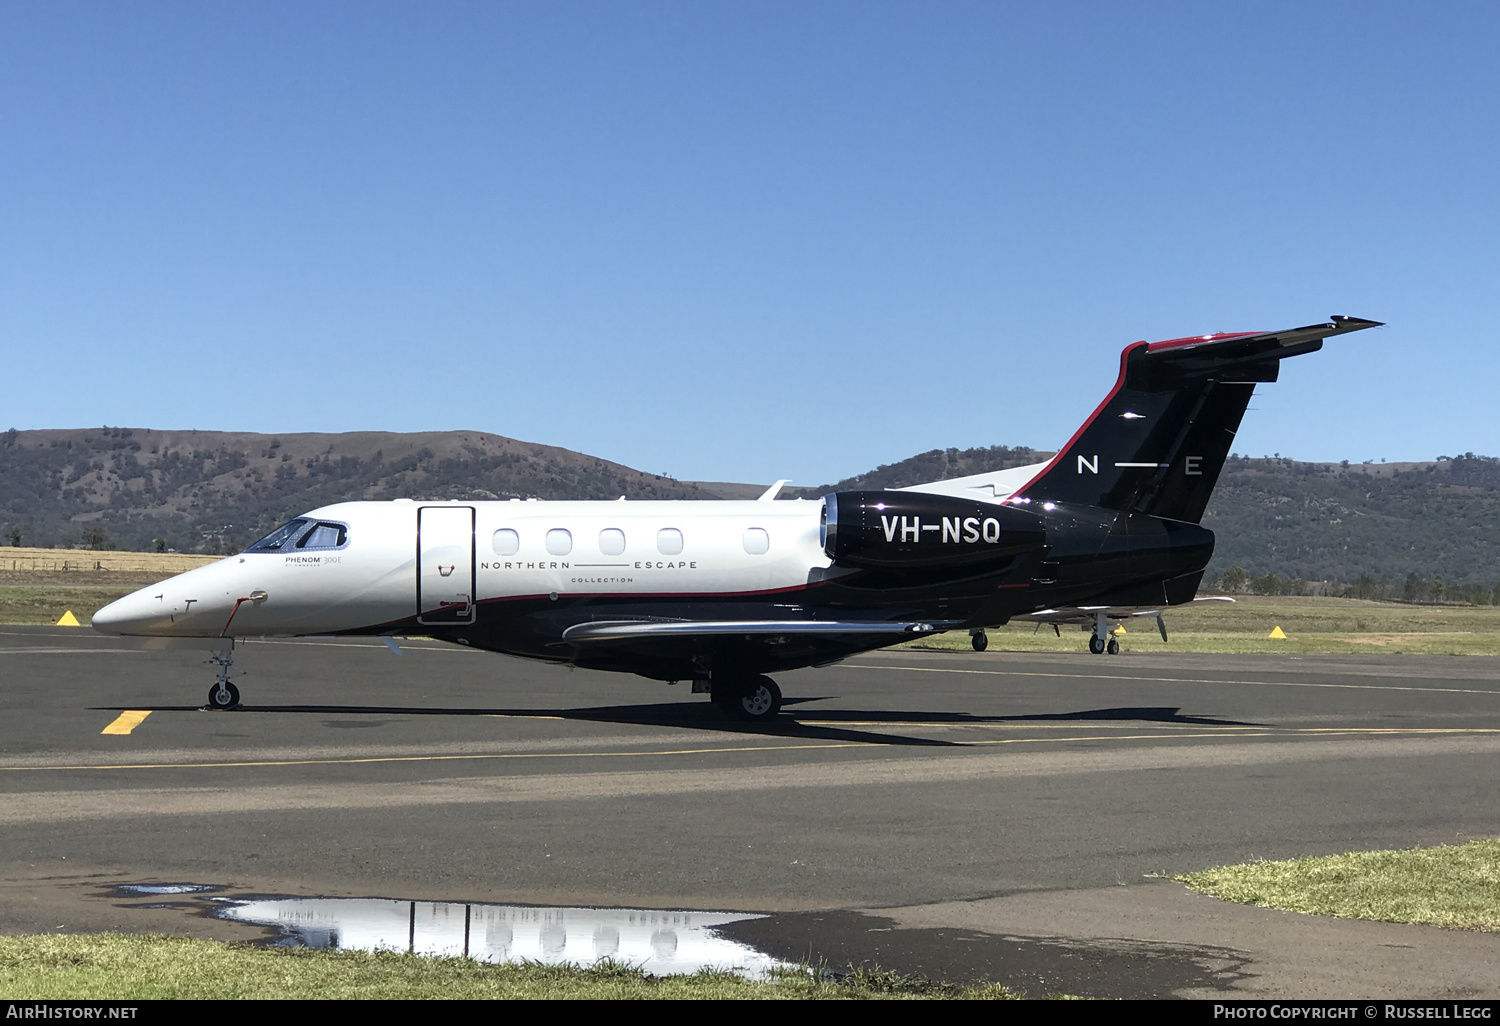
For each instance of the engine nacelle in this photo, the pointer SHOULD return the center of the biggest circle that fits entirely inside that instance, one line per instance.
(914, 529)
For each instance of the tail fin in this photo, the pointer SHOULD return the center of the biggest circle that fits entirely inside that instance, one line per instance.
(1157, 443)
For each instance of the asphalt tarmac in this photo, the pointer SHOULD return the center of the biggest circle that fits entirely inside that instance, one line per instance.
(1001, 816)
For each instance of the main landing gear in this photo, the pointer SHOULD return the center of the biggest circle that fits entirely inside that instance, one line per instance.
(757, 699)
(979, 640)
(223, 694)
(1098, 646)
(1097, 642)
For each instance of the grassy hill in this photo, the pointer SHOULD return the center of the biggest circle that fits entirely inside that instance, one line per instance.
(1340, 522)
(206, 491)
(212, 491)
(936, 465)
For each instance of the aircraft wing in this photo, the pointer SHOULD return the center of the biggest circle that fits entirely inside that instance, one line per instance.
(631, 630)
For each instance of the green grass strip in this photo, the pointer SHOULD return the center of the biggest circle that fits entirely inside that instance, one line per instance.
(1450, 885)
(128, 967)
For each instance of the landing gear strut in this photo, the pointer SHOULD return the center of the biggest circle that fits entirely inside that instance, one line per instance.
(757, 699)
(223, 694)
(1103, 639)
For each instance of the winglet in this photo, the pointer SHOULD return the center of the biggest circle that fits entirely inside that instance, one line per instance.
(771, 492)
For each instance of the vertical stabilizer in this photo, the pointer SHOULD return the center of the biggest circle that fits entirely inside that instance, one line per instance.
(1157, 443)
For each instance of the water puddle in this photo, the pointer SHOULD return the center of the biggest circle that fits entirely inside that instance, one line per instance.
(662, 942)
(155, 890)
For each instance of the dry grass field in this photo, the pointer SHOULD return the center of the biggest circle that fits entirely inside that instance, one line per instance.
(38, 585)
(57, 561)
(1311, 625)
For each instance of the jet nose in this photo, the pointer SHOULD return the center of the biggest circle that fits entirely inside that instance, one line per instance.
(133, 614)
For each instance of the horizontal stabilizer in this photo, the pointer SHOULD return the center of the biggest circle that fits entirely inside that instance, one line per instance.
(1089, 614)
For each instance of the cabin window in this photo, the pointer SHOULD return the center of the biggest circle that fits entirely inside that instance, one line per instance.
(669, 541)
(325, 535)
(282, 536)
(506, 542)
(756, 541)
(611, 541)
(559, 541)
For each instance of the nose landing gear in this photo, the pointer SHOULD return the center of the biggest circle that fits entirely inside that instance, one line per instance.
(223, 694)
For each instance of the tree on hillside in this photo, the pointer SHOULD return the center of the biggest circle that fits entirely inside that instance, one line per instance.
(96, 537)
(1234, 579)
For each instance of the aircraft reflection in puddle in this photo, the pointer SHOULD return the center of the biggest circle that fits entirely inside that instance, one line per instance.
(660, 942)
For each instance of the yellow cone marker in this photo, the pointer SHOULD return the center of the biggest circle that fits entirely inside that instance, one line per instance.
(1119, 630)
(68, 620)
(1277, 632)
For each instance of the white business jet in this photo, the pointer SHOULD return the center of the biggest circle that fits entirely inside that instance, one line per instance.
(723, 593)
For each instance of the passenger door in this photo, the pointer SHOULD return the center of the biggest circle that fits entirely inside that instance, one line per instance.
(445, 564)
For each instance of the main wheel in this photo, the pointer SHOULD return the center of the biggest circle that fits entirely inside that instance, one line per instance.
(223, 696)
(761, 701)
(757, 700)
(1096, 645)
(980, 641)
(1114, 647)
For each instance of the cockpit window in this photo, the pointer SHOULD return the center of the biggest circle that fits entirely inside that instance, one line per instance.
(325, 536)
(280, 538)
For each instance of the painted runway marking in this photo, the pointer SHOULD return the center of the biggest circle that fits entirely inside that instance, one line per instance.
(1179, 680)
(126, 721)
(65, 651)
(708, 782)
(1288, 733)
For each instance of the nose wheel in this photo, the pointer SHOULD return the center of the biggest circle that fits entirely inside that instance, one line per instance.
(223, 694)
(979, 640)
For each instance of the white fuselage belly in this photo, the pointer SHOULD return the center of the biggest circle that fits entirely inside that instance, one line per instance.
(373, 580)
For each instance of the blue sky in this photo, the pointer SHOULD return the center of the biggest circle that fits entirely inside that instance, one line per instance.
(750, 240)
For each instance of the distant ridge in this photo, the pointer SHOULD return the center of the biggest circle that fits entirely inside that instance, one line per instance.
(937, 465)
(211, 491)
